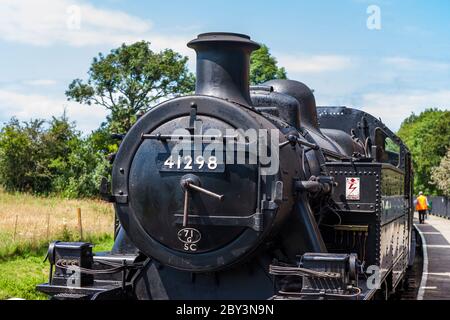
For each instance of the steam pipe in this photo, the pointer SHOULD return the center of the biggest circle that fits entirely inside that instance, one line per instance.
(310, 229)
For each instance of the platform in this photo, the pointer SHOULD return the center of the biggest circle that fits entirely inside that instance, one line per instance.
(435, 234)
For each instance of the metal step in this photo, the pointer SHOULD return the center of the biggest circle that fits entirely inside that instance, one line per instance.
(69, 296)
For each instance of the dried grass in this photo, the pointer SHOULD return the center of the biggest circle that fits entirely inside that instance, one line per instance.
(28, 223)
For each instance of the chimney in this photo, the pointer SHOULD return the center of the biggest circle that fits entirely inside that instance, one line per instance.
(223, 65)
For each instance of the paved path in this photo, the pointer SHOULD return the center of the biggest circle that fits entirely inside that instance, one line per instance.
(435, 235)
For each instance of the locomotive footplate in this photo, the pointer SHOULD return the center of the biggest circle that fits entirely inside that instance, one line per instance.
(75, 273)
(100, 289)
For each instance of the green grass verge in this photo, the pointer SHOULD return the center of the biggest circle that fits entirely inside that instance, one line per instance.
(11, 250)
(20, 275)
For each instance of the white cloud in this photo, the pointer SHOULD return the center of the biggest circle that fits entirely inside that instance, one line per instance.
(393, 108)
(27, 106)
(314, 64)
(46, 22)
(406, 63)
(77, 23)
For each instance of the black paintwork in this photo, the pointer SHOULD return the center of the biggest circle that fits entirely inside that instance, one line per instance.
(262, 218)
(223, 61)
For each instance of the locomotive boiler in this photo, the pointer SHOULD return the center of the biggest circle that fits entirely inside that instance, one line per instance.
(239, 192)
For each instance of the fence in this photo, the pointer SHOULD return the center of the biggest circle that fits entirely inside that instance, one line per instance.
(440, 206)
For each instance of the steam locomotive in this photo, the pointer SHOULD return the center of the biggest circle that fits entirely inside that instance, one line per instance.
(240, 192)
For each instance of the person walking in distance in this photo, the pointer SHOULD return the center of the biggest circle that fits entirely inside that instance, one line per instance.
(422, 207)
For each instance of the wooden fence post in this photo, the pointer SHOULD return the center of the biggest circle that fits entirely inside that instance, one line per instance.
(48, 226)
(15, 228)
(80, 224)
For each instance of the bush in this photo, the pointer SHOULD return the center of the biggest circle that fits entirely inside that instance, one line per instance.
(45, 157)
(24, 157)
(80, 174)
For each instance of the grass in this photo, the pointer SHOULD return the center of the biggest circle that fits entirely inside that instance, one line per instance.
(19, 277)
(28, 223)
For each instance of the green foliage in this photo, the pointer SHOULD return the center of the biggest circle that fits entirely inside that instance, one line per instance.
(263, 67)
(441, 175)
(428, 138)
(79, 175)
(129, 80)
(392, 146)
(52, 157)
(27, 150)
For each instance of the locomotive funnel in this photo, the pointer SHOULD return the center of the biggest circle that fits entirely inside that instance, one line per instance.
(223, 65)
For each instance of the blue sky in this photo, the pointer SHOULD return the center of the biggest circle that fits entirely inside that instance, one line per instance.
(402, 67)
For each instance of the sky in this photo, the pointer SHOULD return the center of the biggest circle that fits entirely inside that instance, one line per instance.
(388, 58)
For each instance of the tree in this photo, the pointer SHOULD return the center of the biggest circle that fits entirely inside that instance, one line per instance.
(263, 67)
(80, 174)
(441, 175)
(16, 156)
(428, 138)
(28, 149)
(45, 157)
(129, 80)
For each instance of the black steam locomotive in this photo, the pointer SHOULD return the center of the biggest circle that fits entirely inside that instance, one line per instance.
(241, 192)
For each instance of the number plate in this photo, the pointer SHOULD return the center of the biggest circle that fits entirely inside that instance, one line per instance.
(168, 163)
